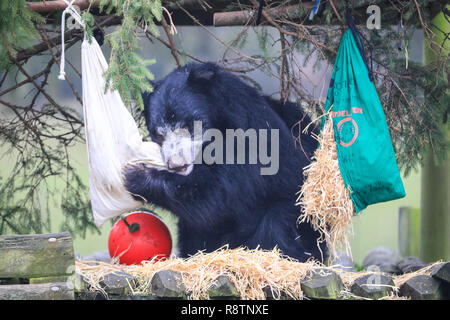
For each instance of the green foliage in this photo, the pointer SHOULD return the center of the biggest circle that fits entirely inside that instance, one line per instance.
(88, 20)
(37, 140)
(16, 28)
(127, 72)
(263, 37)
(76, 205)
(26, 194)
(240, 41)
(415, 123)
(35, 147)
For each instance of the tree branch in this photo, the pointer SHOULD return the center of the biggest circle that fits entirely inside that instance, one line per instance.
(173, 49)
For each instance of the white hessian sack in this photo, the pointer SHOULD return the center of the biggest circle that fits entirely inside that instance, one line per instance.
(112, 140)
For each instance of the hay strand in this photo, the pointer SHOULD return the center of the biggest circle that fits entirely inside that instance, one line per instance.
(425, 271)
(324, 200)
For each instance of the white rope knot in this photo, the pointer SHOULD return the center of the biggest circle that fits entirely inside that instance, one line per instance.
(62, 75)
(70, 9)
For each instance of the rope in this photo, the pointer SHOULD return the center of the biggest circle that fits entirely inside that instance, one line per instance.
(260, 7)
(358, 36)
(77, 17)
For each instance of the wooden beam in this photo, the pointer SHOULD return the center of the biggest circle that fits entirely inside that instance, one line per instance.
(57, 5)
(238, 18)
(213, 12)
(36, 255)
(49, 279)
(43, 291)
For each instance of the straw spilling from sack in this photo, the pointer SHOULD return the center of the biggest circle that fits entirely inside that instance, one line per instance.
(324, 200)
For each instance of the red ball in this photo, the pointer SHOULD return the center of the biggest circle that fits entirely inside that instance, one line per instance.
(151, 240)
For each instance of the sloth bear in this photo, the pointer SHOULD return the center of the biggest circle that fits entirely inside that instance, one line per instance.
(226, 202)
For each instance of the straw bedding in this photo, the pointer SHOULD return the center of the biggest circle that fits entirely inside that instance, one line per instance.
(249, 270)
(324, 200)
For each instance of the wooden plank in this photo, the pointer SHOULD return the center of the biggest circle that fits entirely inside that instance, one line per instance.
(38, 255)
(48, 279)
(408, 231)
(43, 291)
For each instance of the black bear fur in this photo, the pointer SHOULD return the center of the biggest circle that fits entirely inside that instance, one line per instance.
(228, 204)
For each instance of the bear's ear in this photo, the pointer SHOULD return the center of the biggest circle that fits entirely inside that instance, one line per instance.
(202, 73)
(146, 97)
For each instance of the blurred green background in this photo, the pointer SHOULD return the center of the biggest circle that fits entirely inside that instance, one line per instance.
(375, 226)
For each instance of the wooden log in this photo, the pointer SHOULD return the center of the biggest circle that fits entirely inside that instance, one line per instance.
(52, 6)
(44, 291)
(441, 272)
(37, 255)
(223, 288)
(118, 283)
(408, 231)
(373, 286)
(168, 284)
(204, 13)
(422, 287)
(59, 5)
(322, 284)
(239, 18)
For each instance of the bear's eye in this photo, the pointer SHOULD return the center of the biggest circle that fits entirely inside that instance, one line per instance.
(158, 138)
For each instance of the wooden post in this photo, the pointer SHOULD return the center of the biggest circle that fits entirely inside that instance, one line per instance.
(408, 231)
(435, 186)
(36, 255)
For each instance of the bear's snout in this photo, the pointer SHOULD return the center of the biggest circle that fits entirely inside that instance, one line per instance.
(179, 150)
(175, 161)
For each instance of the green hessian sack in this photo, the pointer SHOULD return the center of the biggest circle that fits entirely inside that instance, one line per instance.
(365, 153)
